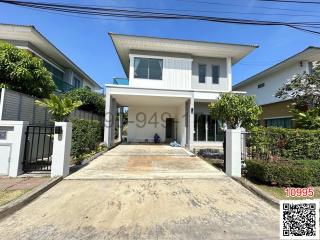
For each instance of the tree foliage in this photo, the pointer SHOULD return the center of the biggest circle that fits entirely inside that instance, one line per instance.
(92, 101)
(59, 107)
(22, 72)
(236, 110)
(304, 91)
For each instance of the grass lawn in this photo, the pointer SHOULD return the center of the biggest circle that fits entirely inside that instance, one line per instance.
(280, 194)
(9, 195)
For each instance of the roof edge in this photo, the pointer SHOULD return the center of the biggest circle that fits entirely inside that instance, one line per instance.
(35, 31)
(184, 40)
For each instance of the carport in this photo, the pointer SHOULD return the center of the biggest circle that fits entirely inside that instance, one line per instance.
(150, 111)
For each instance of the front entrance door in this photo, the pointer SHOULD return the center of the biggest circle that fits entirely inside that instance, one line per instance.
(169, 128)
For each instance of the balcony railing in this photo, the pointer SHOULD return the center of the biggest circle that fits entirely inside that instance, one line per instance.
(120, 81)
(63, 86)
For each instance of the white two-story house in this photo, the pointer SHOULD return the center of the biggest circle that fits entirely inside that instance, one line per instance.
(171, 82)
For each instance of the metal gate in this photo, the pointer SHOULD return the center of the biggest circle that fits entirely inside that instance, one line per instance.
(38, 148)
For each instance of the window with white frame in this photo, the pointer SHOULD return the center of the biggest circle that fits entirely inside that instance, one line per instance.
(202, 73)
(215, 74)
(148, 68)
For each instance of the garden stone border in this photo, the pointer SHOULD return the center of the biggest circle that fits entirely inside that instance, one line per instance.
(257, 191)
(26, 198)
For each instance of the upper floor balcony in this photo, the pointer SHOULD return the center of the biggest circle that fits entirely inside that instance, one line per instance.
(120, 81)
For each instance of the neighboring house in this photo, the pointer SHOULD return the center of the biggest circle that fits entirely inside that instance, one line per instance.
(265, 84)
(170, 84)
(66, 74)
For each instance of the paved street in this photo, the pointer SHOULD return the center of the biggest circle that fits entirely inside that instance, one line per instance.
(152, 208)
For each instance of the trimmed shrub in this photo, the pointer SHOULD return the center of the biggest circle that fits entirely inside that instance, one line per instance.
(282, 143)
(290, 173)
(91, 101)
(86, 136)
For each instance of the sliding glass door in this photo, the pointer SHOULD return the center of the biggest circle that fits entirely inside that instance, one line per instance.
(207, 129)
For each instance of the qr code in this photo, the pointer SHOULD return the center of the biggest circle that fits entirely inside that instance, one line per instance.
(299, 219)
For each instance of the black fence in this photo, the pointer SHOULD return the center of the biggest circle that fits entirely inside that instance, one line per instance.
(255, 148)
(38, 148)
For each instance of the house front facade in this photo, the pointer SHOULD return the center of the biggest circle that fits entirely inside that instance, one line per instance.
(170, 84)
(264, 85)
(66, 74)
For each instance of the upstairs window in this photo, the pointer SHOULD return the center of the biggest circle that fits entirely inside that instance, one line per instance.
(261, 85)
(76, 82)
(57, 75)
(215, 74)
(148, 68)
(202, 73)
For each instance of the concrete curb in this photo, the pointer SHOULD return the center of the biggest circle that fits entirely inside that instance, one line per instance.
(251, 187)
(22, 201)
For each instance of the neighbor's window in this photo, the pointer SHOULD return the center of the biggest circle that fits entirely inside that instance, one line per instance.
(215, 74)
(76, 82)
(202, 73)
(148, 68)
(261, 85)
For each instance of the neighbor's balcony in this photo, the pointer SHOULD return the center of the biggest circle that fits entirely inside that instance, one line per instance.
(120, 81)
(63, 86)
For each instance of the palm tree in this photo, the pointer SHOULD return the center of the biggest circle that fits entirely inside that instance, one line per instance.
(59, 107)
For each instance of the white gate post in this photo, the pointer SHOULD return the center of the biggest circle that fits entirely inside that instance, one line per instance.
(233, 152)
(61, 149)
(12, 141)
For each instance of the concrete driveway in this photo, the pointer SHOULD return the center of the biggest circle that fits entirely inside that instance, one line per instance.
(153, 208)
(147, 162)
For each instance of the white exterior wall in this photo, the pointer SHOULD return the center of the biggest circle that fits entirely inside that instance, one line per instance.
(181, 124)
(139, 134)
(176, 73)
(272, 83)
(225, 74)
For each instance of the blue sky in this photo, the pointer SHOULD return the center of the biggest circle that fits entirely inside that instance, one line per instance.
(86, 42)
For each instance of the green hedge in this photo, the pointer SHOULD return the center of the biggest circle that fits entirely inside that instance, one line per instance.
(300, 173)
(86, 136)
(286, 143)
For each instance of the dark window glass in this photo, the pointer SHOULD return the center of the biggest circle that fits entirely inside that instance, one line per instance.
(155, 69)
(279, 122)
(220, 132)
(202, 128)
(261, 85)
(57, 75)
(148, 68)
(215, 74)
(211, 129)
(202, 73)
(76, 83)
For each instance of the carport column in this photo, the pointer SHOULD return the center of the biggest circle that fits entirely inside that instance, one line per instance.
(233, 152)
(120, 124)
(61, 149)
(107, 121)
(190, 122)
